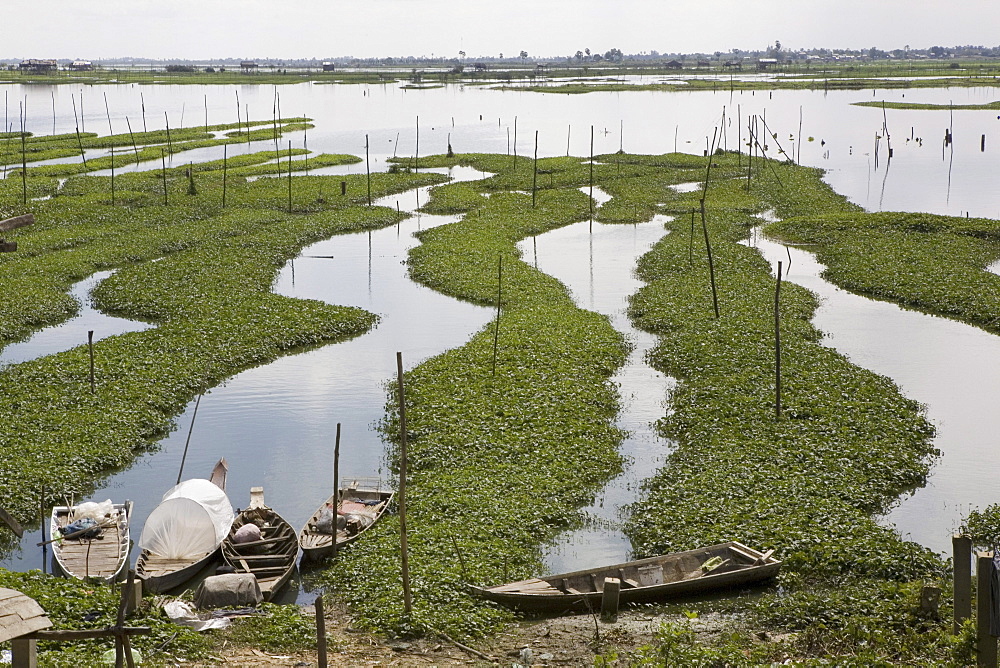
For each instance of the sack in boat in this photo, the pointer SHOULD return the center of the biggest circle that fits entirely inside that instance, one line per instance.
(82, 525)
(324, 522)
(247, 533)
(93, 510)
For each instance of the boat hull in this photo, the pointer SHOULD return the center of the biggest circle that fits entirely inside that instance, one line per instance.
(102, 559)
(272, 559)
(680, 575)
(317, 546)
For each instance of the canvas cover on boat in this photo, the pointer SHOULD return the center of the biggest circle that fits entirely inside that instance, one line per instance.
(191, 520)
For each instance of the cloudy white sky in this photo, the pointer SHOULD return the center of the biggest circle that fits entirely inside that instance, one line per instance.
(205, 29)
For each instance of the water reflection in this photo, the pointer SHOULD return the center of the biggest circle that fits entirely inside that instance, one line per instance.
(598, 267)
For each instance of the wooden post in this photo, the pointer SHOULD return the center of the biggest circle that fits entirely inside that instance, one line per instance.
(982, 143)
(404, 552)
(343, 188)
(534, 175)
(711, 265)
(609, 600)
(513, 163)
(777, 346)
(368, 170)
(986, 645)
(24, 165)
(163, 165)
(24, 653)
(321, 628)
(336, 487)
(90, 346)
(962, 557)
(496, 328)
(591, 177)
(289, 177)
(187, 442)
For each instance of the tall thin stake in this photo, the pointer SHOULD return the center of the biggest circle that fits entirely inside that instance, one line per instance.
(111, 149)
(513, 162)
(289, 176)
(404, 551)
(79, 141)
(569, 129)
(591, 177)
(496, 328)
(170, 146)
(368, 170)
(24, 163)
(132, 137)
(777, 346)
(90, 347)
(336, 485)
(163, 171)
(187, 442)
(711, 266)
(534, 175)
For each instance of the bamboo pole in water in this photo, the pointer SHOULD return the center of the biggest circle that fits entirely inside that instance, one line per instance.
(131, 136)
(24, 163)
(368, 170)
(336, 487)
(404, 551)
(496, 327)
(591, 177)
(534, 175)
(111, 149)
(289, 176)
(777, 345)
(90, 347)
(163, 171)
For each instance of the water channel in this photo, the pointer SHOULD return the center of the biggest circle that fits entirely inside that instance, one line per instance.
(280, 418)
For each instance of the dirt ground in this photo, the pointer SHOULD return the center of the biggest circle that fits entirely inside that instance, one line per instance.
(555, 641)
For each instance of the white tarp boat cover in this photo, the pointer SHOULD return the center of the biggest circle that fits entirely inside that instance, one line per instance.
(191, 521)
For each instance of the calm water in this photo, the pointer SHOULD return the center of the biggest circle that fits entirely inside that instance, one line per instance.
(276, 422)
(597, 265)
(950, 366)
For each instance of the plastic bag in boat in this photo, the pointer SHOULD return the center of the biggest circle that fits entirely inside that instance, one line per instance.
(95, 511)
(191, 521)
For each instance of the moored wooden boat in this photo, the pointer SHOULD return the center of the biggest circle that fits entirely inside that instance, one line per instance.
(717, 567)
(99, 554)
(360, 504)
(271, 558)
(184, 532)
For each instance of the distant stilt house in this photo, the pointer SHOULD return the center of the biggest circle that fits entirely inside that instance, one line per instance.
(481, 67)
(733, 65)
(81, 65)
(675, 65)
(764, 63)
(704, 63)
(329, 67)
(248, 67)
(36, 65)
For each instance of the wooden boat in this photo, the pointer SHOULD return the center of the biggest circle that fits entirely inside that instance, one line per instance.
(271, 558)
(360, 503)
(86, 556)
(185, 531)
(717, 567)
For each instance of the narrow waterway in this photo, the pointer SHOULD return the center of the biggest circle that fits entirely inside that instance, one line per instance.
(951, 367)
(73, 332)
(276, 424)
(597, 263)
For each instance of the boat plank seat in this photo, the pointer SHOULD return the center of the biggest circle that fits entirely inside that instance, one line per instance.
(743, 553)
(626, 581)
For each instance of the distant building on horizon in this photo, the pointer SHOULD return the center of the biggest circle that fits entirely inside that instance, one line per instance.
(81, 65)
(38, 65)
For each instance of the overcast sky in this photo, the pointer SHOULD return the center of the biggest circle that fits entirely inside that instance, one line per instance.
(206, 29)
